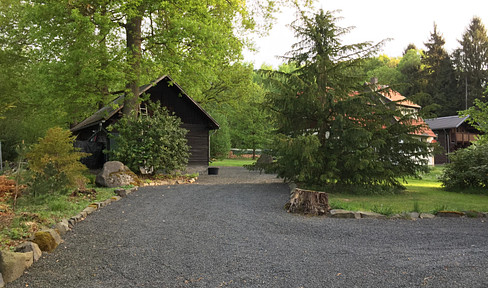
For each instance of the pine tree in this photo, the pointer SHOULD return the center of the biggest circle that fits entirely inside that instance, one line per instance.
(439, 75)
(331, 132)
(471, 61)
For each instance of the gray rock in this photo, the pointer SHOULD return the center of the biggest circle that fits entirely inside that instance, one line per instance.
(107, 202)
(449, 214)
(372, 215)
(62, 227)
(116, 174)
(339, 213)
(473, 214)
(71, 223)
(2, 283)
(121, 192)
(90, 209)
(13, 264)
(415, 215)
(426, 216)
(96, 205)
(77, 218)
(406, 216)
(29, 247)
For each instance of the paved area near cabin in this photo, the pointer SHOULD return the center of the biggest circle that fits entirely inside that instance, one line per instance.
(230, 230)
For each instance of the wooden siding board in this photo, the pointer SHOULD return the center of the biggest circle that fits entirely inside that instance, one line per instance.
(198, 141)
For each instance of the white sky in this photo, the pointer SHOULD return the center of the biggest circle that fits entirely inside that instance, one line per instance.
(374, 20)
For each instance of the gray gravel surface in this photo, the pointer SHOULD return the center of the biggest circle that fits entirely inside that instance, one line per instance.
(236, 234)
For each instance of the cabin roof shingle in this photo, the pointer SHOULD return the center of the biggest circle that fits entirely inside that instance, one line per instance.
(445, 122)
(116, 105)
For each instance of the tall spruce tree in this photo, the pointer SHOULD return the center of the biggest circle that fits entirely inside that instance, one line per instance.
(471, 62)
(439, 75)
(332, 129)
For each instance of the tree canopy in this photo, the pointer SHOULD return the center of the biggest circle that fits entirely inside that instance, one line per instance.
(471, 61)
(64, 59)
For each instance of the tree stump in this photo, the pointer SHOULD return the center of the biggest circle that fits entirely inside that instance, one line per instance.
(309, 202)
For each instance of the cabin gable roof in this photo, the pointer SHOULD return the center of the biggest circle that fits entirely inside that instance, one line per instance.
(447, 122)
(117, 104)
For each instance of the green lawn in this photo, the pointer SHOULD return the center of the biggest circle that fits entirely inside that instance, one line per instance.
(425, 195)
(233, 162)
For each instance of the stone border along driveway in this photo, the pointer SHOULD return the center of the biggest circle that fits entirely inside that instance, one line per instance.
(13, 264)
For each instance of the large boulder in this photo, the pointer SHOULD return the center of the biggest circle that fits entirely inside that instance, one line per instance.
(29, 247)
(13, 264)
(47, 240)
(116, 174)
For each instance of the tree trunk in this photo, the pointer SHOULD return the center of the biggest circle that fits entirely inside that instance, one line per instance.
(309, 202)
(104, 62)
(134, 43)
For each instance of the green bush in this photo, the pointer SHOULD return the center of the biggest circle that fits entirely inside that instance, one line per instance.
(220, 139)
(55, 164)
(468, 168)
(156, 141)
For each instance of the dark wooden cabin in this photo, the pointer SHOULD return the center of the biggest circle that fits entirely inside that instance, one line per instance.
(453, 133)
(92, 135)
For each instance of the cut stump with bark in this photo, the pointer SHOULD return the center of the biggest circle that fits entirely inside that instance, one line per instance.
(309, 202)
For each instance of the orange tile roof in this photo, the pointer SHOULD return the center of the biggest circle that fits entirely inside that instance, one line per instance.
(423, 128)
(395, 96)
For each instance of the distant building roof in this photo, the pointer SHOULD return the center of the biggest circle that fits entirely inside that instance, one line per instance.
(445, 122)
(395, 96)
(423, 129)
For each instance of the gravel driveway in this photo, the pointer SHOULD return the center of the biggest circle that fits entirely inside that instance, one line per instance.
(235, 233)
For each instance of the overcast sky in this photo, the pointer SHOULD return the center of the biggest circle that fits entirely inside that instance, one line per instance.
(374, 20)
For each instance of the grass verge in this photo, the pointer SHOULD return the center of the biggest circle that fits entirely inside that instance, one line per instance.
(32, 214)
(232, 162)
(421, 195)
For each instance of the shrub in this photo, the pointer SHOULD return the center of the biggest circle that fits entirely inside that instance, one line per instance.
(220, 139)
(468, 168)
(55, 163)
(155, 142)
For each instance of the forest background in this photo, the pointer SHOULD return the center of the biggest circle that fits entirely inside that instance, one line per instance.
(62, 60)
